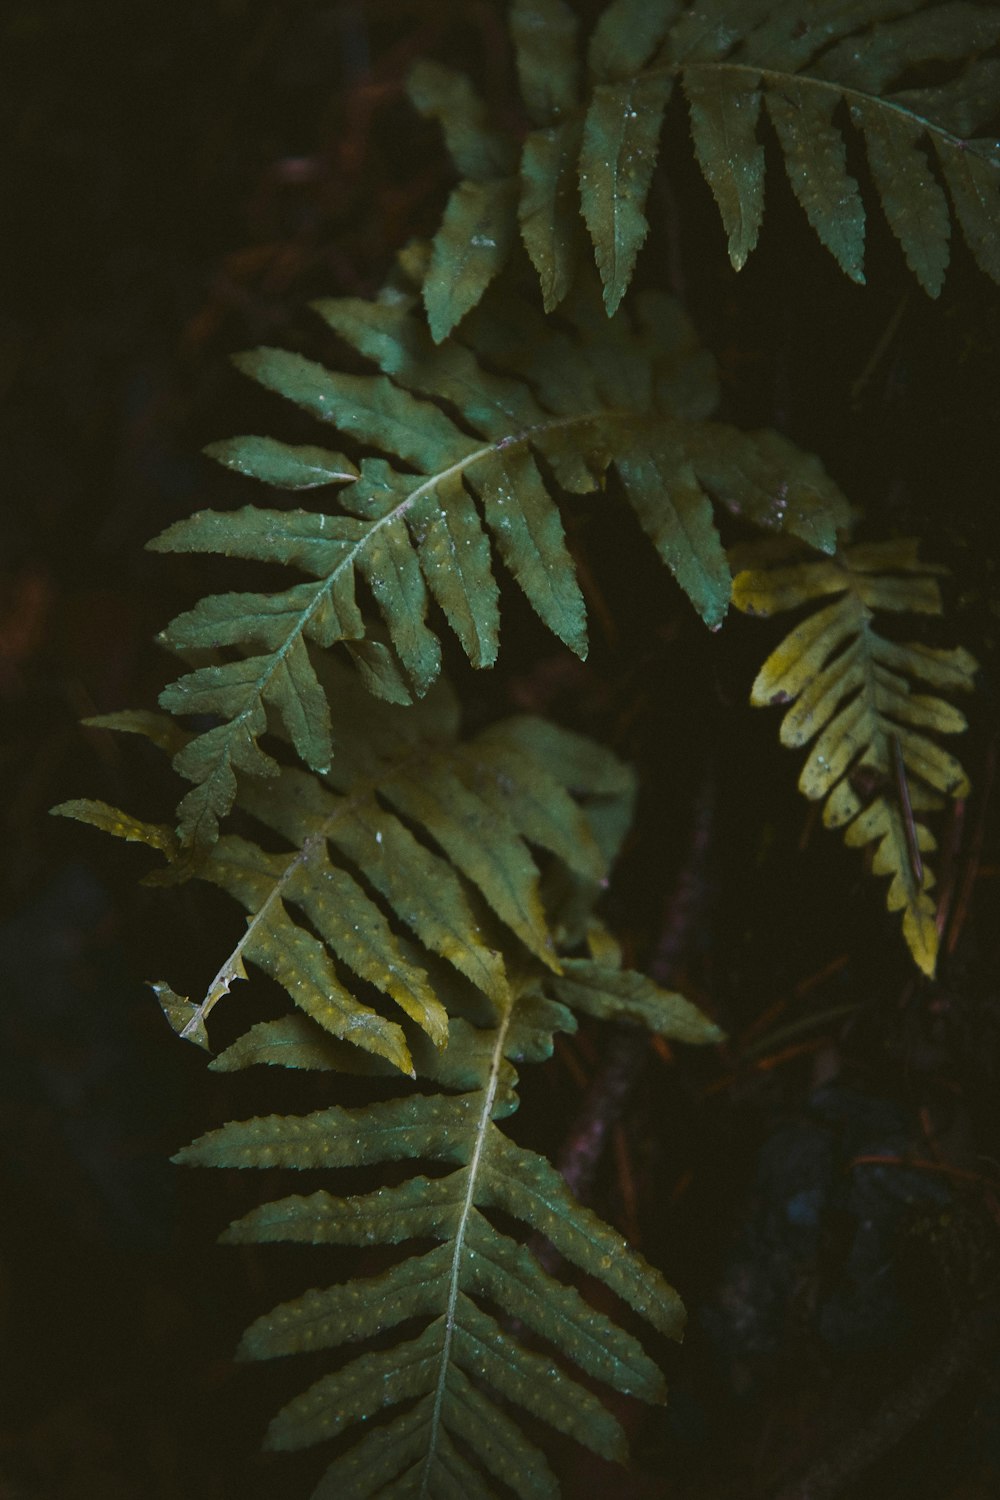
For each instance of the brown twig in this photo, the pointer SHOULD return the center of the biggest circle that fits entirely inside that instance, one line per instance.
(920, 1164)
(687, 900)
(628, 1047)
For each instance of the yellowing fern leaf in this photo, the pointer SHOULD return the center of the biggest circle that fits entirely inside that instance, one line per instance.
(850, 694)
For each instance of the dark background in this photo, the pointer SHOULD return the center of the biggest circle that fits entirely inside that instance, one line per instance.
(177, 181)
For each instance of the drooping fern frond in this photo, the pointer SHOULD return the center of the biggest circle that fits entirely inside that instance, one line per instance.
(448, 1387)
(595, 134)
(481, 435)
(850, 691)
(413, 849)
(459, 879)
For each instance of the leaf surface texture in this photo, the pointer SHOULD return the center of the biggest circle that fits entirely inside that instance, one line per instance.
(482, 437)
(821, 74)
(440, 1384)
(850, 687)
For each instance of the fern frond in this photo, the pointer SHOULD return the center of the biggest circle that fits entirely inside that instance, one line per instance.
(594, 144)
(481, 433)
(414, 837)
(445, 1434)
(457, 879)
(851, 695)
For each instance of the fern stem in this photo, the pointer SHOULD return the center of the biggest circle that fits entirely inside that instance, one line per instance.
(454, 1275)
(776, 77)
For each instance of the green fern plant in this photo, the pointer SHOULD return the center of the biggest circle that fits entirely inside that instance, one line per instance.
(480, 949)
(594, 135)
(405, 802)
(629, 393)
(428, 901)
(456, 1435)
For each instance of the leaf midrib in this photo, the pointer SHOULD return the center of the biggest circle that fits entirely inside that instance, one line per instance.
(324, 585)
(879, 721)
(781, 76)
(350, 803)
(454, 1274)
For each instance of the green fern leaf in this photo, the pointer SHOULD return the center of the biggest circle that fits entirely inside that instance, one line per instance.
(448, 97)
(677, 514)
(476, 427)
(544, 36)
(914, 204)
(805, 79)
(810, 69)
(280, 464)
(627, 34)
(480, 219)
(972, 171)
(610, 992)
(816, 158)
(371, 410)
(119, 824)
(650, 367)
(398, 773)
(851, 697)
(463, 1359)
(724, 114)
(965, 105)
(405, 802)
(471, 248)
(547, 208)
(617, 157)
(905, 35)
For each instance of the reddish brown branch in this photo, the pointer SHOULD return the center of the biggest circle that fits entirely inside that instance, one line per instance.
(628, 1047)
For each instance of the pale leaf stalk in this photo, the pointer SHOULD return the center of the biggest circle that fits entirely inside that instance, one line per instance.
(454, 1275)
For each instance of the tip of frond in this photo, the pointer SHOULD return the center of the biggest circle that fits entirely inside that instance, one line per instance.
(922, 939)
(183, 1016)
